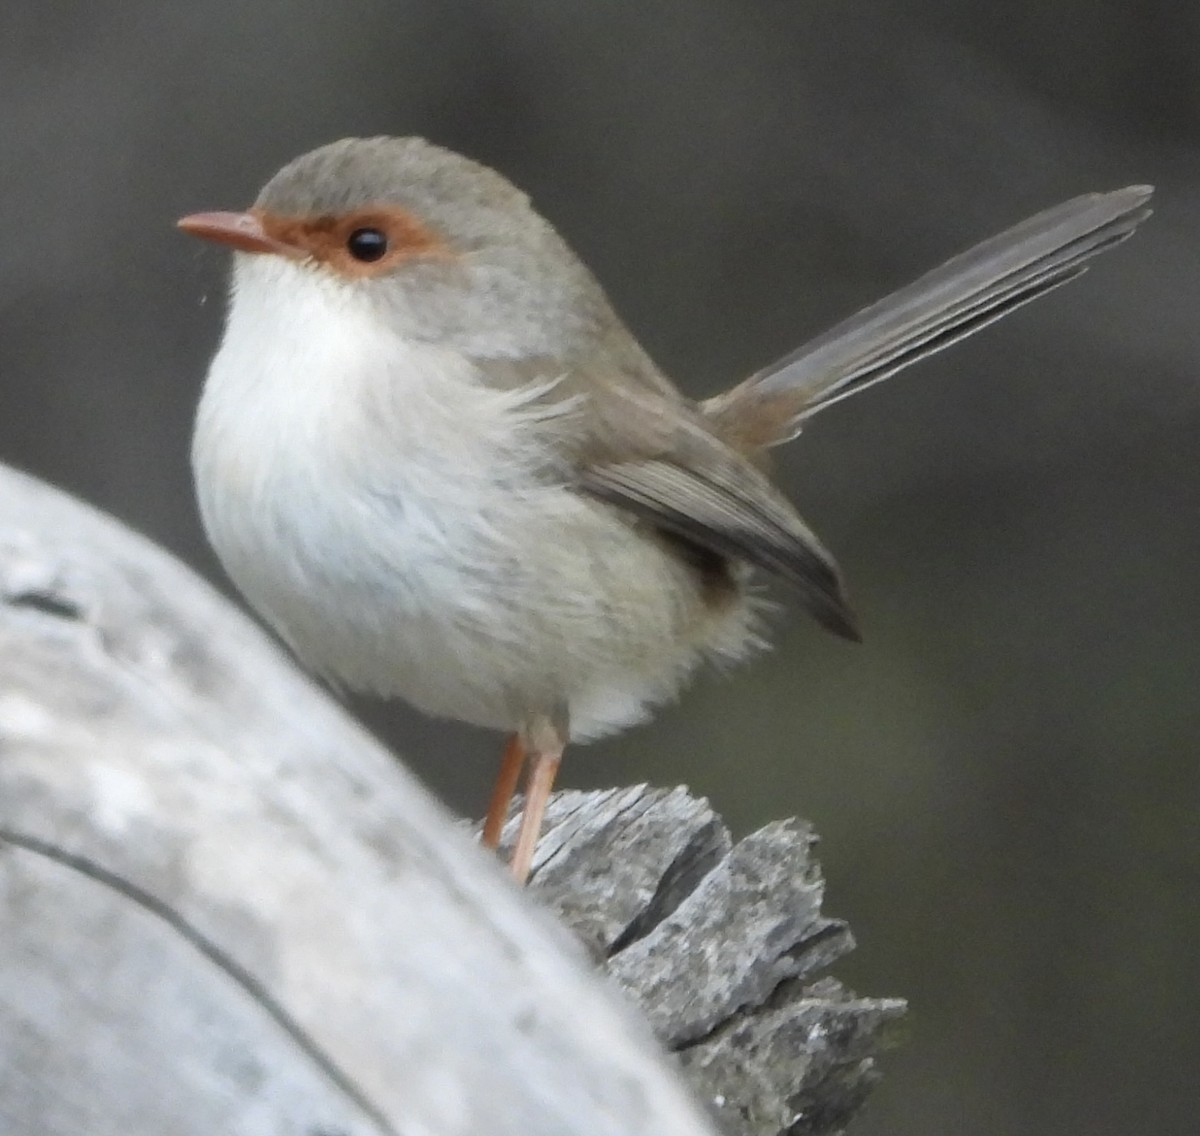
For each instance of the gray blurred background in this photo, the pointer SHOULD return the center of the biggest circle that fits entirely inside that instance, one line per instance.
(1006, 773)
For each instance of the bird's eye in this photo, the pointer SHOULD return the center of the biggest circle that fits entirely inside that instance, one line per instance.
(367, 244)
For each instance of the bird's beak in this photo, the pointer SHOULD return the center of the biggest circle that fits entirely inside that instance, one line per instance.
(242, 231)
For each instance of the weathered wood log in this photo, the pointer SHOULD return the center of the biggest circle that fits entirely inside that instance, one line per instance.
(224, 908)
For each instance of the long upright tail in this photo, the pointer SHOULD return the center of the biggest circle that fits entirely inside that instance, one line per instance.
(965, 294)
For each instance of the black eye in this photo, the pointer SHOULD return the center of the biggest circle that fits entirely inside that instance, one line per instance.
(367, 244)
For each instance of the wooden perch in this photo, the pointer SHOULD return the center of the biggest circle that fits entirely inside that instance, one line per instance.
(224, 908)
(718, 944)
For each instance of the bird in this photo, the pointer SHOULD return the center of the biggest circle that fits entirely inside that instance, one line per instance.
(435, 461)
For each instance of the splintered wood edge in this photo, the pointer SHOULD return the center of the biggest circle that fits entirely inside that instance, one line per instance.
(723, 946)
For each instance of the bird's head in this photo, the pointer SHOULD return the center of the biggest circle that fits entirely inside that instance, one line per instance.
(440, 247)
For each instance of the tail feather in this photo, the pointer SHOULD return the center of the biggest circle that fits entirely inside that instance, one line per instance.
(953, 301)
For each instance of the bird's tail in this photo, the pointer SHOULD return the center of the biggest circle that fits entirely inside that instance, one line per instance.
(943, 306)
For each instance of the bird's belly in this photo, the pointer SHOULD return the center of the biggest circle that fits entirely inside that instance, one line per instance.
(399, 522)
(527, 602)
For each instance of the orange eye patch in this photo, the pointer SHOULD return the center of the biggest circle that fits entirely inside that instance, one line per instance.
(365, 242)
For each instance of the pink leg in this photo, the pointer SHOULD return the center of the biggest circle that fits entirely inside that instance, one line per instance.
(506, 783)
(543, 767)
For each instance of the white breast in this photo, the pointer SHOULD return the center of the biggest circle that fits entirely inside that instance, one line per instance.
(400, 523)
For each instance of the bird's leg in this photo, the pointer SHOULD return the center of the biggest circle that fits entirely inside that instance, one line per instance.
(545, 743)
(511, 762)
(542, 769)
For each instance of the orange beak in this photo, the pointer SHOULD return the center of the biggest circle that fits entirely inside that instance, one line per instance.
(242, 231)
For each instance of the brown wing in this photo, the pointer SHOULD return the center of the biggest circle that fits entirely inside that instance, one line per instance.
(637, 444)
(734, 512)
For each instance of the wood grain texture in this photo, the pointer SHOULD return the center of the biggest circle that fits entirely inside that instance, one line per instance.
(225, 908)
(723, 946)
